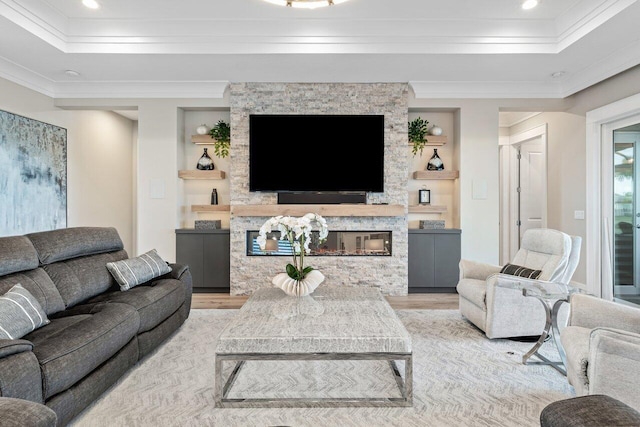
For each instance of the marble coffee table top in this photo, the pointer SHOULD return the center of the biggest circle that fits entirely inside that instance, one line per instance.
(331, 320)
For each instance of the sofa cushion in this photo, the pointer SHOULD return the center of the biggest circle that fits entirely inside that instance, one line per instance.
(473, 290)
(575, 341)
(79, 279)
(135, 271)
(69, 243)
(20, 413)
(20, 313)
(79, 341)
(155, 302)
(39, 284)
(17, 254)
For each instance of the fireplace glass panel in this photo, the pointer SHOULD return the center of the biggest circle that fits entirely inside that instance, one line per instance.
(338, 243)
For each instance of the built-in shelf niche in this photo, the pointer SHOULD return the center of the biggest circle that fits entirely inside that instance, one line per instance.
(445, 174)
(200, 174)
(427, 209)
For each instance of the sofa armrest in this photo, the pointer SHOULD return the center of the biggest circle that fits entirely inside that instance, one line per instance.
(477, 270)
(591, 312)
(614, 364)
(178, 271)
(20, 413)
(10, 347)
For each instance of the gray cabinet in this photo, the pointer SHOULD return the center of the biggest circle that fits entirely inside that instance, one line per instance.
(434, 256)
(206, 252)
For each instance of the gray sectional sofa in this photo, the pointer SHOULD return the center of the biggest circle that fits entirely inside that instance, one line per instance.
(96, 333)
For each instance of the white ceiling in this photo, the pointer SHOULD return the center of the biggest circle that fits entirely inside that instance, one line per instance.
(193, 48)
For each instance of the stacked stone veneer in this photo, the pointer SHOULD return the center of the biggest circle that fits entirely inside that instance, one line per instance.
(391, 99)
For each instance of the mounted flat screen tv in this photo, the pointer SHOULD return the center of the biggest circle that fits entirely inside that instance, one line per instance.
(316, 153)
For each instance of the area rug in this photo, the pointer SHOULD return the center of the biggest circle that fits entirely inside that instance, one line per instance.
(461, 378)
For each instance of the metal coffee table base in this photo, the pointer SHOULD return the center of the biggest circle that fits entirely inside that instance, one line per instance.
(221, 391)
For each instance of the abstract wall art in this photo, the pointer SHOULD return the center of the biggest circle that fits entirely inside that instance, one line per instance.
(33, 175)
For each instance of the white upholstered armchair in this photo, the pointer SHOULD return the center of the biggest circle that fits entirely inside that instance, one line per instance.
(504, 313)
(602, 343)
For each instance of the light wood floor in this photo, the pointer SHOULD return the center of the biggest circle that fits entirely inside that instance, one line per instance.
(411, 302)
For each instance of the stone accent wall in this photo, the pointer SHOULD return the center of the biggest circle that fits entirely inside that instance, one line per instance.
(391, 99)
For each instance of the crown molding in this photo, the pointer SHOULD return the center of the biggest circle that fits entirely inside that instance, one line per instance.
(15, 73)
(142, 89)
(470, 90)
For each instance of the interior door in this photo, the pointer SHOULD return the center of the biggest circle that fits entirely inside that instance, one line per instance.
(529, 194)
(626, 213)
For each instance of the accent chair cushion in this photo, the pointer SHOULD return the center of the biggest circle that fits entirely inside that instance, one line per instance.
(575, 340)
(544, 249)
(135, 271)
(473, 290)
(520, 271)
(20, 313)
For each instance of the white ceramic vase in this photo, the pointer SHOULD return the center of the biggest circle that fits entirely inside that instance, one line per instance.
(436, 131)
(202, 130)
(298, 288)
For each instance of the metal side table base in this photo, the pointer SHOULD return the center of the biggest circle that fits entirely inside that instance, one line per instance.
(550, 324)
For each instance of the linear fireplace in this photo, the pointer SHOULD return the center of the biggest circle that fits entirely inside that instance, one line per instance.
(338, 243)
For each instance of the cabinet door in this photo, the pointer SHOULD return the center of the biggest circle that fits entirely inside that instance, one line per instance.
(421, 261)
(216, 260)
(447, 258)
(189, 252)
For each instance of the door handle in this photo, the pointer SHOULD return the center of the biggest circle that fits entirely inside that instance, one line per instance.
(637, 225)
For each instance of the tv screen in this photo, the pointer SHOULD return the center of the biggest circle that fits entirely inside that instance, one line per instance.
(321, 153)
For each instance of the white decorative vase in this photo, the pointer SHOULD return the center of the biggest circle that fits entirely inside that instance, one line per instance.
(298, 288)
(202, 130)
(436, 131)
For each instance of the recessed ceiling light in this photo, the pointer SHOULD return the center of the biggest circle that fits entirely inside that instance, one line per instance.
(306, 4)
(558, 74)
(72, 73)
(91, 4)
(529, 4)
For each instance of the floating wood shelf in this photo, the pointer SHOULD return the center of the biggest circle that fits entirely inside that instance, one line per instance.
(427, 209)
(198, 174)
(435, 141)
(323, 210)
(202, 139)
(210, 208)
(436, 174)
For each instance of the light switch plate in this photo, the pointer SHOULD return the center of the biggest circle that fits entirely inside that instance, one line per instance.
(156, 189)
(578, 214)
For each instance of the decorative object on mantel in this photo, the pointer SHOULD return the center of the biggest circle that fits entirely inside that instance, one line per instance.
(424, 196)
(417, 133)
(435, 130)
(205, 163)
(208, 224)
(202, 130)
(435, 162)
(298, 279)
(221, 133)
(306, 4)
(432, 224)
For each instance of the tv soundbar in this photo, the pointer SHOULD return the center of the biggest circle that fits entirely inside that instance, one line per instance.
(311, 198)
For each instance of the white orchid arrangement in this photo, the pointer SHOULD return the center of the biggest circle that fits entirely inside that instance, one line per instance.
(298, 232)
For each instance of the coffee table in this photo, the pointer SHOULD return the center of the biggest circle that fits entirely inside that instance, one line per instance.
(334, 323)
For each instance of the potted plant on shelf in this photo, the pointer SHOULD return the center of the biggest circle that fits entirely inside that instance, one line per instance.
(221, 133)
(417, 135)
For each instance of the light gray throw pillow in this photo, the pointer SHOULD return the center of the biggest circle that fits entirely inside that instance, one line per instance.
(134, 271)
(20, 313)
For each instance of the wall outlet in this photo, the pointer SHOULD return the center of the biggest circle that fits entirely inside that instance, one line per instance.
(578, 214)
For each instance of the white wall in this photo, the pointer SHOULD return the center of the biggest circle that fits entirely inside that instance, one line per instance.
(99, 159)
(566, 173)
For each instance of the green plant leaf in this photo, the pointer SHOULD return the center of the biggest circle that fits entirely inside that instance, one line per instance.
(307, 270)
(293, 272)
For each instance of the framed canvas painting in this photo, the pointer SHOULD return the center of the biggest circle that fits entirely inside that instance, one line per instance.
(33, 175)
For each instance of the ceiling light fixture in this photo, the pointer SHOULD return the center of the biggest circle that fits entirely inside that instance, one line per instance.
(306, 4)
(91, 4)
(558, 74)
(72, 73)
(529, 4)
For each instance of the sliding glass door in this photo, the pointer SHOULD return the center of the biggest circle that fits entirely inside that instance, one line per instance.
(626, 213)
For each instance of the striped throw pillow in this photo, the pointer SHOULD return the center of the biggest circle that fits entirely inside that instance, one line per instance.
(518, 270)
(20, 313)
(134, 271)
